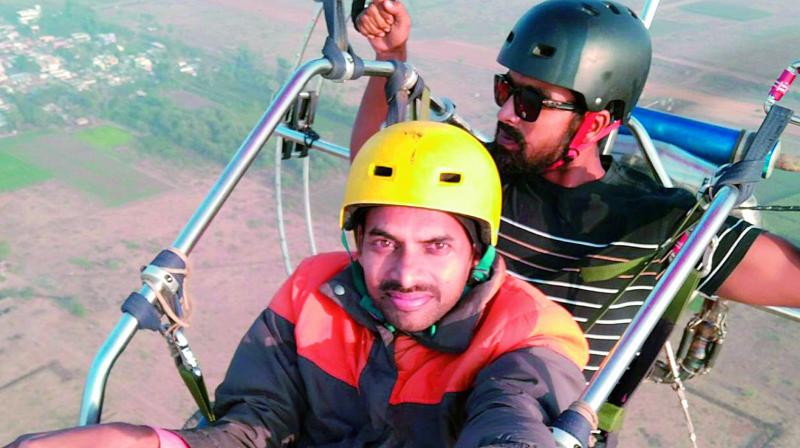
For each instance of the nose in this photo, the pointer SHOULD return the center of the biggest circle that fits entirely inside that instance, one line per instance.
(405, 267)
(506, 113)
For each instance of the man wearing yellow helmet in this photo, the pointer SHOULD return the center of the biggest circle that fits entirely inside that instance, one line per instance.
(418, 339)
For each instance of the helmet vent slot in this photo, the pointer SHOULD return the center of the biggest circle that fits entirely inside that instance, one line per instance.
(633, 14)
(510, 37)
(543, 51)
(450, 178)
(382, 171)
(612, 7)
(589, 9)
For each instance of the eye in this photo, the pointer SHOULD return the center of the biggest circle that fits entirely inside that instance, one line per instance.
(382, 244)
(438, 247)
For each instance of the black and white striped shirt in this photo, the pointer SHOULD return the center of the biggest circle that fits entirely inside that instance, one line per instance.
(549, 232)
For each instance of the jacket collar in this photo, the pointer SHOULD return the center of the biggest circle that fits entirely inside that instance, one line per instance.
(453, 331)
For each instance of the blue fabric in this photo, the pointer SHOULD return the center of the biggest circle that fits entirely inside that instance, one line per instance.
(145, 313)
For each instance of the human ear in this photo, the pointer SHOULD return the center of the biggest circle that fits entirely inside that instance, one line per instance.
(599, 122)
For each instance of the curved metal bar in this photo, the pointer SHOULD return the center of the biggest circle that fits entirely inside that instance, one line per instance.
(649, 12)
(320, 145)
(246, 153)
(649, 150)
(788, 313)
(278, 184)
(657, 302)
(307, 204)
(97, 377)
(91, 406)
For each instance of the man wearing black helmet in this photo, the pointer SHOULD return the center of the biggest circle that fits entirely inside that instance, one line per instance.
(575, 72)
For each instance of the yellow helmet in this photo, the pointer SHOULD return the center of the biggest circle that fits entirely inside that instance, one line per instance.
(428, 165)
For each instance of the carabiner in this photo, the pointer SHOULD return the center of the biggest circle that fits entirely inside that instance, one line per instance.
(781, 86)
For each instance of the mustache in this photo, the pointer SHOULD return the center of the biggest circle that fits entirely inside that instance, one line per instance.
(393, 285)
(512, 132)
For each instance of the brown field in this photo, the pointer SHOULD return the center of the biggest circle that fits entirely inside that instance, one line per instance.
(80, 257)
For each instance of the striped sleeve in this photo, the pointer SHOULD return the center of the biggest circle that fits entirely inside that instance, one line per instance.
(734, 240)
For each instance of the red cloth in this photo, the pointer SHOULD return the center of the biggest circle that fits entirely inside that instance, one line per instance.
(168, 439)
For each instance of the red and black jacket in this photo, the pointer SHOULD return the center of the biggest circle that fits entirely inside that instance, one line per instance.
(316, 369)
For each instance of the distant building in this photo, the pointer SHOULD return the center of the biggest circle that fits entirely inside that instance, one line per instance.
(81, 121)
(51, 108)
(186, 68)
(61, 43)
(47, 39)
(107, 38)
(81, 37)
(158, 45)
(28, 16)
(21, 78)
(144, 63)
(85, 84)
(105, 61)
(48, 63)
(62, 74)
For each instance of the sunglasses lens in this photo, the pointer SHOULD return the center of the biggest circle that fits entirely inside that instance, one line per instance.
(527, 101)
(502, 90)
(528, 104)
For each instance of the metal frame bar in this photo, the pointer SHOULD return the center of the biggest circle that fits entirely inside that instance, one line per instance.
(649, 149)
(94, 388)
(649, 12)
(606, 378)
(121, 335)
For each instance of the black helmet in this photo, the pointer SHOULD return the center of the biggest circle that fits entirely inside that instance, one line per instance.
(598, 49)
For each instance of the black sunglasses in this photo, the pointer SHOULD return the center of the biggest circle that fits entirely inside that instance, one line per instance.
(528, 101)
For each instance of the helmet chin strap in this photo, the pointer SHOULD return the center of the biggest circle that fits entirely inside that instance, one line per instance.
(578, 144)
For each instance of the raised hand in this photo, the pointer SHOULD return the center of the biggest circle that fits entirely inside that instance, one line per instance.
(387, 25)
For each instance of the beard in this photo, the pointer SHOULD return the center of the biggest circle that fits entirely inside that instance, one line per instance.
(524, 162)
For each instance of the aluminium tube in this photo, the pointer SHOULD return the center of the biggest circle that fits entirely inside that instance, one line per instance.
(788, 313)
(252, 145)
(649, 12)
(246, 153)
(94, 388)
(320, 145)
(649, 150)
(97, 377)
(605, 379)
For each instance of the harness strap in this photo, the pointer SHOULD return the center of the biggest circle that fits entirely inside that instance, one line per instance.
(607, 272)
(176, 265)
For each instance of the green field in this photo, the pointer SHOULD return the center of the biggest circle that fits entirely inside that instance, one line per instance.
(105, 138)
(16, 173)
(70, 159)
(725, 11)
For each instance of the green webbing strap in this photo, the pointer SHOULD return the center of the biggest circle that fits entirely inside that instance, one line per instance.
(610, 417)
(482, 270)
(682, 297)
(597, 273)
(425, 104)
(609, 271)
(197, 387)
(606, 272)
